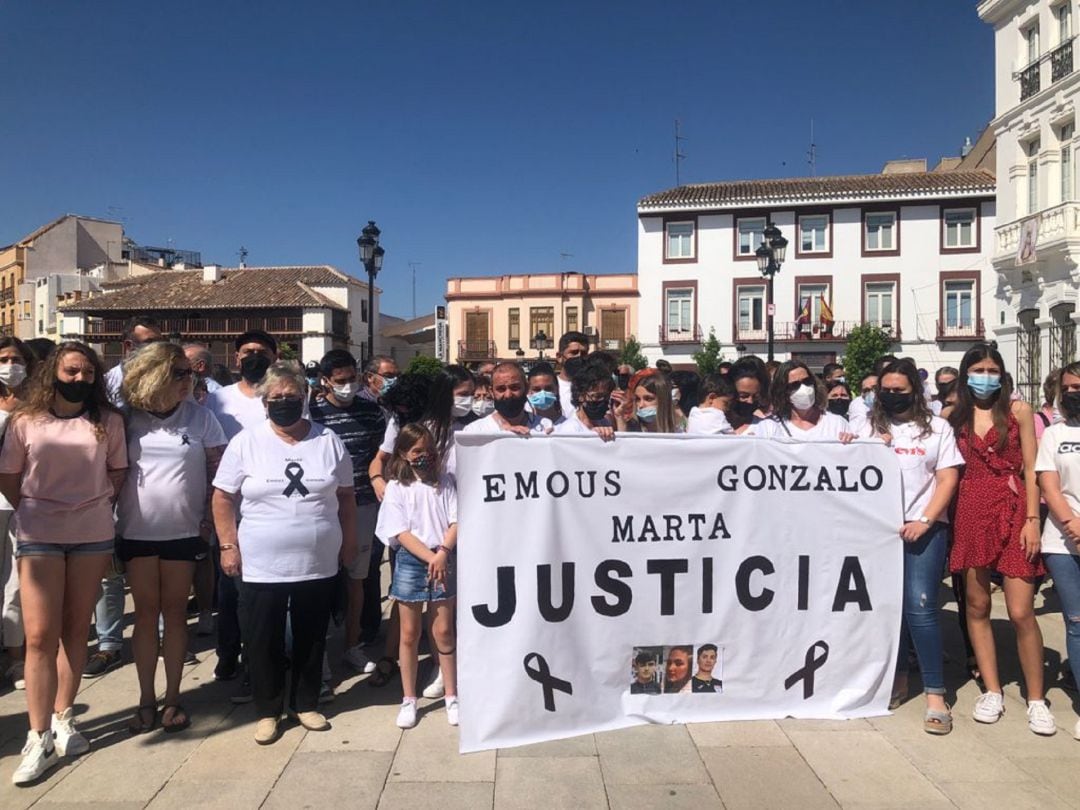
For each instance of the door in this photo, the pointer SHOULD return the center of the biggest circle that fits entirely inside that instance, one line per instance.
(613, 329)
(476, 336)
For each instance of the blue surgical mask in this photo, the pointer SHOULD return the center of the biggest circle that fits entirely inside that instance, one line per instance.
(387, 384)
(542, 400)
(984, 385)
(646, 414)
(868, 398)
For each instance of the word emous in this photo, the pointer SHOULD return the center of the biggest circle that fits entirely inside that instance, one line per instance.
(616, 595)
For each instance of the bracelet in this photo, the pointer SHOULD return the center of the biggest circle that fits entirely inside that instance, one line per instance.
(377, 475)
(227, 547)
(1033, 517)
(447, 549)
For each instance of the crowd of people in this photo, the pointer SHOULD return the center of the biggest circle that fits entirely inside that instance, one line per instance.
(273, 497)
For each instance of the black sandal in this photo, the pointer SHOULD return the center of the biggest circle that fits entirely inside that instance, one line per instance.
(385, 670)
(172, 728)
(139, 724)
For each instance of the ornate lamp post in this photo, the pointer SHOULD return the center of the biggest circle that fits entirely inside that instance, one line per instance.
(371, 256)
(541, 342)
(770, 256)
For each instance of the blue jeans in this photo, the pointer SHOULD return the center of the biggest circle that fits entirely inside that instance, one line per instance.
(109, 613)
(924, 561)
(1065, 569)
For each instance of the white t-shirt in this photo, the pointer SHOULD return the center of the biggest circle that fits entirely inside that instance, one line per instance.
(234, 410)
(708, 421)
(290, 530)
(920, 458)
(857, 414)
(1059, 451)
(390, 437)
(421, 509)
(566, 399)
(490, 425)
(829, 426)
(573, 426)
(164, 494)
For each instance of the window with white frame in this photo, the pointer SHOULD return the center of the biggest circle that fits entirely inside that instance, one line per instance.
(811, 297)
(751, 309)
(881, 231)
(680, 240)
(1033, 176)
(1063, 14)
(1031, 41)
(959, 306)
(880, 303)
(959, 225)
(750, 235)
(680, 312)
(814, 233)
(1066, 134)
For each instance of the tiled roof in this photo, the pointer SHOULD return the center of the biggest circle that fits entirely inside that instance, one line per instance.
(795, 190)
(249, 288)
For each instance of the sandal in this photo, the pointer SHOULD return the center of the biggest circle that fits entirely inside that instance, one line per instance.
(937, 722)
(173, 727)
(385, 670)
(139, 724)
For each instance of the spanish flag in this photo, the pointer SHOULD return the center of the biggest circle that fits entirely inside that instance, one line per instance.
(826, 314)
(804, 315)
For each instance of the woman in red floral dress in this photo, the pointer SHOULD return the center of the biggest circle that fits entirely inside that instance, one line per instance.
(997, 526)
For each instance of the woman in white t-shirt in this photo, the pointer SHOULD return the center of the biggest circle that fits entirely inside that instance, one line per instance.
(292, 480)
(163, 522)
(1058, 467)
(798, 408)
(930, 462)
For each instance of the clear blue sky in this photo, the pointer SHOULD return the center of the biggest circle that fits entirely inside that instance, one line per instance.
(483, 137)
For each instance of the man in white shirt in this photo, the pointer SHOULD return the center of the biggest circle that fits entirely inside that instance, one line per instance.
(573, 348)
(202, 363)
(508, 387)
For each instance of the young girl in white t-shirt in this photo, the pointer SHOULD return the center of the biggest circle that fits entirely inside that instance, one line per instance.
(418, 517)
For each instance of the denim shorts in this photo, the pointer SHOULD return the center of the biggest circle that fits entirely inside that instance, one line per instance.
(32, 549)
(410, 583)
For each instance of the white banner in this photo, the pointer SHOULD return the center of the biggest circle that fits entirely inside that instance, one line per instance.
(671, 579)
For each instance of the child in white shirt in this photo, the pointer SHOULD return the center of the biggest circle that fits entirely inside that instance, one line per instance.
(710, 416)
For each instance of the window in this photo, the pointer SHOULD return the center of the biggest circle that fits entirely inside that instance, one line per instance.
(880, 296)
(881, 232)
(1064, 22)
(814, 234)
(1031, 40)
(1033, 176)
(1066, 136)
(680, 312)
(959, 225)
(679, 240)
(959, 306)
(613, 329)
(750, 235)
(513, 328)
(571, 319)
(541, 319)
(811, 298)
(751, 309)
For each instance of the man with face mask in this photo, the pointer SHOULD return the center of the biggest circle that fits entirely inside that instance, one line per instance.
(360, 425)
(508, 387)
(573, 349)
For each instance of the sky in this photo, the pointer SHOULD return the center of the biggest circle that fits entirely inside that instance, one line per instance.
(483, 138)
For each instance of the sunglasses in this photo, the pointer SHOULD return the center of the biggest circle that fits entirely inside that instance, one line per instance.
(795, 385)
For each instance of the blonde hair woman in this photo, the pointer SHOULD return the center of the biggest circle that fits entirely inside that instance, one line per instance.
(650, 407)
(174, 446)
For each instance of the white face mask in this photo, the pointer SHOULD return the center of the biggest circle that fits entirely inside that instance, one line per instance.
(803, 397)
(12, 374)
(346, 392)
(482, 407)
(462, 406)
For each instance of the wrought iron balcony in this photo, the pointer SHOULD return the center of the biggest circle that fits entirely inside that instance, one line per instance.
(476, 350)
(971, 330)
(1029, 80)
(1061, 62)
(203, 327)
(680, 335)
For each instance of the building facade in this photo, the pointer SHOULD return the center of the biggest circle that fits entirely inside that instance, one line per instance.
(405, 339)
(907, 249)
(1037, 243)
(499, 317)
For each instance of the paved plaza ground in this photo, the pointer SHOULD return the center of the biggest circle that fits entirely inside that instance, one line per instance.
(365, 761)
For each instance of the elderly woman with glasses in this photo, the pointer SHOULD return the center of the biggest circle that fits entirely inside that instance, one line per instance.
(292, 480)
(174, 446)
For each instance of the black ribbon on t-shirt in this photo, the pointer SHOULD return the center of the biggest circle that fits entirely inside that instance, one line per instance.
(541, 673)
(185, 440)
(811, 664)
(295, 473)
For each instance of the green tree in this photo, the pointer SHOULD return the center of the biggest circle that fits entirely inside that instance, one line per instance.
(286, 351)
(631, 355)
(708, 359)
(865, 344)
(421, 364)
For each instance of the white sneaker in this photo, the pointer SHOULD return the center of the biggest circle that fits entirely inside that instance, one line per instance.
(39, 754)
(69, 741)
(989, 707)
(355, 657)
(1076, 731)
(406, 716)
(435, 689)
(205, 626)
(452, 710)
(1040, 720)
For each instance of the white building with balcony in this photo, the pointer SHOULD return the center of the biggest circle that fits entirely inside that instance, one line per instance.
(1037, 244)
(907, 249)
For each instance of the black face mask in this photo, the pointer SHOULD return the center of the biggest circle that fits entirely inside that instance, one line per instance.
(573, 366)
(1070, 404)
(838, 406)
(285, 412)
(893, 403)
(595, 410)
(253, 367)
(77, 392)
(510, 408)
(743, 411)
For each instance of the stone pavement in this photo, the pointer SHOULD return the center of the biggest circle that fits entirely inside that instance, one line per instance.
(365, 761)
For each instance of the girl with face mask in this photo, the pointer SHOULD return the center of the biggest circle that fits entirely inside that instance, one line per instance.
(751, 382)
(591, 389)
(798, 408)
(650, 408)
(838, 398)
(543, 394)
(997, 526)
(930, 463)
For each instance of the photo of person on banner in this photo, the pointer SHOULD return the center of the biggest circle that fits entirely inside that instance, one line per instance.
(708, 664)
(644, 665)
(677, 669)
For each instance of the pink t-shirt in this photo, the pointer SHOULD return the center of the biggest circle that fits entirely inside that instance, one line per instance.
(66, 496)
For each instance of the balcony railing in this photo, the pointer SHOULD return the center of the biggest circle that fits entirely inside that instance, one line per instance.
(795, 330)
(1061, 62)
(1029, 80)
(476, 350)
(1056, 224)
(971, 330)
(680, 335)
(204, 326)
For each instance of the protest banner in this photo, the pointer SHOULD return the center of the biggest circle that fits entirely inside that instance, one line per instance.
(670, 579)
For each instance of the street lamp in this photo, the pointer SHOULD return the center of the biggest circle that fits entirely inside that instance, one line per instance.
(770, 255)
(371, 256)
(541, 342)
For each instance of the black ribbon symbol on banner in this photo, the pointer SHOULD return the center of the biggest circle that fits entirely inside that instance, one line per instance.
(295, 473)
(811, 664)
(542, 675)
(185, 440)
